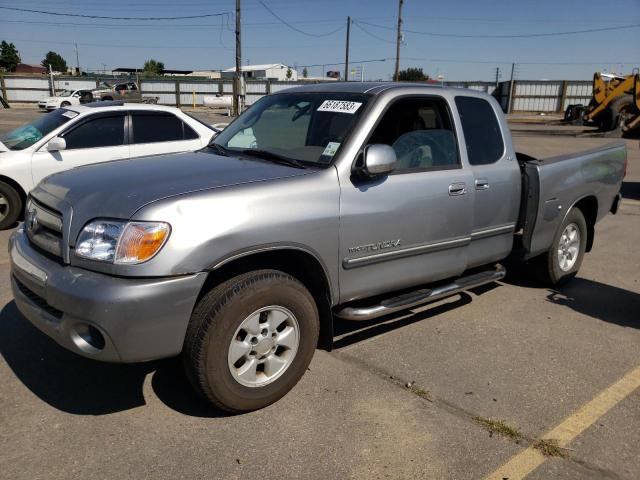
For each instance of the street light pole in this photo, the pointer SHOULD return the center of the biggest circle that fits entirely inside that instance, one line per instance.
(346, 56)
(236, 77)
(396, 75)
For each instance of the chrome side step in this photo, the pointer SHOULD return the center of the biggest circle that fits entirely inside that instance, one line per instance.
(417, 298)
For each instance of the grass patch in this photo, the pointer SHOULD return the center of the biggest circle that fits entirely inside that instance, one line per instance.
(550, 448)
(499, 427)
(422, 393)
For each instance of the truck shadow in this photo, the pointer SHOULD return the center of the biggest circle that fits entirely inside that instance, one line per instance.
(598, 300)
(81, 386)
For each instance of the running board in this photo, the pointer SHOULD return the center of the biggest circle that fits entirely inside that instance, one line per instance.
(417, 298)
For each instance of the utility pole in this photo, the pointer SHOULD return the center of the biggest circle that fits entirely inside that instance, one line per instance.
(497, 76)
(396, 75)
(77, 59)
(236, 77)
(346, 56)
(509, 102)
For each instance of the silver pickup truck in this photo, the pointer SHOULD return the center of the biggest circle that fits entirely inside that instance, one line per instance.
(351, 200)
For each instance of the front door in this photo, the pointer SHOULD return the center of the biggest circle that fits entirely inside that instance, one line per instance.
(414, 225)
(99, 138)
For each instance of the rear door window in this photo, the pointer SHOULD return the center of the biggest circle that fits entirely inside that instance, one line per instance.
(99, 132)
(160, 127)
(481, 130)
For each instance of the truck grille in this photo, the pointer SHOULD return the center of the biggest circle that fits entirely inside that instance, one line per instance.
(44, 227)
(37, 299)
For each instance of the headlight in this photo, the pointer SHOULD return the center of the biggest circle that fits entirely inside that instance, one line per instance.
(121, 242)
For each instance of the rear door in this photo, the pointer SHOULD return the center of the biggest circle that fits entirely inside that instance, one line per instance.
(156, 132)
(496, 179)
(100, 137)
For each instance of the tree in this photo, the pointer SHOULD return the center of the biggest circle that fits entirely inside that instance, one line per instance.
(56, 61)
(305, 72)
(153, 68)
(412, 75)
(9, 56)
(289, 73)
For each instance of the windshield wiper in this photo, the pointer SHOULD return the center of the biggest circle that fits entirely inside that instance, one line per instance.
(276, 158)
(219, 149)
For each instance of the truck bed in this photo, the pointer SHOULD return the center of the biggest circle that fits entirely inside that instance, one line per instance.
(552, 186)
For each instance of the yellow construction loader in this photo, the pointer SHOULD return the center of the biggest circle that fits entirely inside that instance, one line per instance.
(615, 103)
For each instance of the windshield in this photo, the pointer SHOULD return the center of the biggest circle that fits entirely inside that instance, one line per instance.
(25, 136)
(65, 93)
(309, 127)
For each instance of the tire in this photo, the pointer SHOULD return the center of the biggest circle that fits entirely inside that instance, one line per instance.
(10, 206)
(64, 104)
(223, 317)
(611, 114)
(551, 268)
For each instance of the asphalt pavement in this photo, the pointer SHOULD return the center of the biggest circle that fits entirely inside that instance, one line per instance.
(459, 389)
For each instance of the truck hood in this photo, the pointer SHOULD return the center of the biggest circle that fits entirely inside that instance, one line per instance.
(117, 189)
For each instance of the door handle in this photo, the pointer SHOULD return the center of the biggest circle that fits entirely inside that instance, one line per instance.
(482, 184)
(458, 188)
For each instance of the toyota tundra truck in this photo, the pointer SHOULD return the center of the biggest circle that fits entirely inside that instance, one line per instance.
(351, 201)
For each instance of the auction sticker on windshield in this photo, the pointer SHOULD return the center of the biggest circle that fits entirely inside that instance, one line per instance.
(331, 149)
(339, 106)
(70, 114)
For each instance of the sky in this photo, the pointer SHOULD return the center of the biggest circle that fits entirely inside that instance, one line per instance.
(452, 38)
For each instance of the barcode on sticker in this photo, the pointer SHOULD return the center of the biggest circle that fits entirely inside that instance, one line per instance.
(339, 106)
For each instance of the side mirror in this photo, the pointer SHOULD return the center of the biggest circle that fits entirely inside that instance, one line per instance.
(379, 159)
(56, 144)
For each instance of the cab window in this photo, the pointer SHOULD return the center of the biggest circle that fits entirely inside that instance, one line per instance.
(482, 134)
(420, 131)
(99, 132)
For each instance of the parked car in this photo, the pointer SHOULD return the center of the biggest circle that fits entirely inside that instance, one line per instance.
(345, 200)
(66, 98)
(128, 91)
(85, 134)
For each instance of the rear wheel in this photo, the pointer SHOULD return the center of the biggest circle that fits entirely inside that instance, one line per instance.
(10, 206)
(563, 259)
(250, 340)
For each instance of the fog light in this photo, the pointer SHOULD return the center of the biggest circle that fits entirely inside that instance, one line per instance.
(88, 338)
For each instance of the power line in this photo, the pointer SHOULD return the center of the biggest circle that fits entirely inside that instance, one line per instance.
(284, 22)
(522, 35)
(373, 35)
(112, 18)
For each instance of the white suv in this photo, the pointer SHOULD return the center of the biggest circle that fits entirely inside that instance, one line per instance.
(86, 134)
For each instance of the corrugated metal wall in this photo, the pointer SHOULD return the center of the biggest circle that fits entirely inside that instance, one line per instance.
(528, 95)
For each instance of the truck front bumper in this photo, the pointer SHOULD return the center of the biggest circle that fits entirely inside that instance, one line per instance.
(113, 319)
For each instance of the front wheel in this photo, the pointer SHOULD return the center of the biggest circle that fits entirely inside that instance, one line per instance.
(10, 206)
(563, 259)
(64, 104)
(250, 340)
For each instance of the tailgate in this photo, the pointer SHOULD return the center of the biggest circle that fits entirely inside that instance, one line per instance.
(553, 185)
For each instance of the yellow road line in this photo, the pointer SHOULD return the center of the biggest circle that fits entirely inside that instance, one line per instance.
(525, 462)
